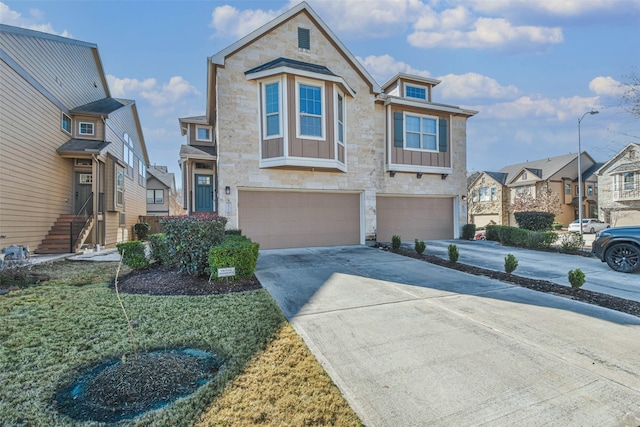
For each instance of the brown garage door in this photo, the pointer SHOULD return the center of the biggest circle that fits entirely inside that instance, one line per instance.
(291, 219)
(624, 218)
(414, 218)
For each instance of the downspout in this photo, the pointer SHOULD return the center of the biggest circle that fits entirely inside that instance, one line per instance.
(96, 198)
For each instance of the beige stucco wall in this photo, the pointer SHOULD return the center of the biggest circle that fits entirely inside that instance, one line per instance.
(238, 136)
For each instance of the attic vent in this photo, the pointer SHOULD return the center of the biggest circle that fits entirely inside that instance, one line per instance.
(304, 38)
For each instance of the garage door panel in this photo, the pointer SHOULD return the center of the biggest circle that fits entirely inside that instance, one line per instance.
(424, 218)
(625, 218)
(299, 219)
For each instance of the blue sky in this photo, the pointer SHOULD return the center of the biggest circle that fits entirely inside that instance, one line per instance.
(530, 67)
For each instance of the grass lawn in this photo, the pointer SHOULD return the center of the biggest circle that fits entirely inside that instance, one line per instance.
(52, 331)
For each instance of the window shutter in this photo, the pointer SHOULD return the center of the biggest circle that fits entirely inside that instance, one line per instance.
(443, 135)
(398, 130)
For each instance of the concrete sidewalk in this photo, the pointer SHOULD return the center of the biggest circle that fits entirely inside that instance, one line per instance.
(413, 344)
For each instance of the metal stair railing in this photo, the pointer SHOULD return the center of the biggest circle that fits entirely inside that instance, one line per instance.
(80, 221)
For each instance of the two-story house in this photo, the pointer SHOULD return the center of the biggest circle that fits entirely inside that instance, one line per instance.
(161, 184)
(492, 195)
(73, 159)
(300, 146)
(619, 195)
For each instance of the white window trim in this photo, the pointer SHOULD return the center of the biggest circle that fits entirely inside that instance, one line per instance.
(426, 91)
(323, 117)
(264, 109)
(93, 128)
(337, 93)
(210, 139)
(421, 116)
(70, 123)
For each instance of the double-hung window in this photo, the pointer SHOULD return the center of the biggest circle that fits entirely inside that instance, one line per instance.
(421, 133)
(494, 194)
(340, 119)
(272, 109)
(310, 111)
(484, 194)
(66, 123)
(628, 180)
(155, 197)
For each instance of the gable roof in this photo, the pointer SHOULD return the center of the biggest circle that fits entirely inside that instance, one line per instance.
(291, 63)
(544, 168)
(160, 173)
(619, 154)
(303, 7)
(499, 177)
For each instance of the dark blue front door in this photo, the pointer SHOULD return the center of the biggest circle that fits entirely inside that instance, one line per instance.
(204, 193)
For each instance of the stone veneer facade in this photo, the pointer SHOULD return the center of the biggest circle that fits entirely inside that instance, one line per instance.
(237, 133)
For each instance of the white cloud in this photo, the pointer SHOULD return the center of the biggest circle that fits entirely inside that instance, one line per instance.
(606, 86)
(553, 8)
(487, 33)
(231, 22)
(383, 67)
(176, 89)
(11, 17)
(538, 107)
(473, 86)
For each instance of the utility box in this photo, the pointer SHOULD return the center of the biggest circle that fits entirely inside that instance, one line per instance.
(14, 253)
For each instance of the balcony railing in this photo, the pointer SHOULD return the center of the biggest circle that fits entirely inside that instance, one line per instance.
(622, 195)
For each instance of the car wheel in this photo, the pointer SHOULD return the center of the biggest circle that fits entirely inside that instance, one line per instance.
(623, 257)
(592, 231)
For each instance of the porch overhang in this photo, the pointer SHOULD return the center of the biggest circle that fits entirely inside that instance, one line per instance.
(81, 148)
(197, 152)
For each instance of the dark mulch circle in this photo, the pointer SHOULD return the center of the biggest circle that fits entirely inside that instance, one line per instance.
(157, 280)
(123, 389)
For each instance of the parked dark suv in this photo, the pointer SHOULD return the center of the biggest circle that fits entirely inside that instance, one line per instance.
(619, 247)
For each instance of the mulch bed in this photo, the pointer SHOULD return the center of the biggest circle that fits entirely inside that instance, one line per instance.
(157, 280)
(582, 295)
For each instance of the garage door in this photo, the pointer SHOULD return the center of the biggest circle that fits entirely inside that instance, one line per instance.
(623, 218)
(294, 219)
(482, 220)
(414, 218)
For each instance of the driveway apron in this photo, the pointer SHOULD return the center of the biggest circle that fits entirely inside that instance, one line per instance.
(411, 344)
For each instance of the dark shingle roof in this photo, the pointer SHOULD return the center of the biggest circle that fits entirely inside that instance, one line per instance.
(187, 151)
(285, 62)
(103, 106)
(82, 146)
(592, 170)
(498, 176)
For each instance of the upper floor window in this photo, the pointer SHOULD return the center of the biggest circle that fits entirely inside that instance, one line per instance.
(577, 190)
(590, 190)
(86, 128)
(484, 194)
(415, 92)
(567, 188)
(628, 180)
(142, 173)
(310, 111)
(494, 194)
(119, 186)
(340, 119)
(155, 197)
(421, 133)
(127, 153)
(66, 123)
(272, 109)
(203, 133)
(524, 176)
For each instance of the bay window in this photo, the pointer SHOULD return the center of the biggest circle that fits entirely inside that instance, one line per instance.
(271, 109)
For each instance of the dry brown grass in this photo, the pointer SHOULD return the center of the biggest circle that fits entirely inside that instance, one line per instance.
(283, 385)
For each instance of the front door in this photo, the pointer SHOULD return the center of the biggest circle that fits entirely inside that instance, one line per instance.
(204, 193)
(83, 184)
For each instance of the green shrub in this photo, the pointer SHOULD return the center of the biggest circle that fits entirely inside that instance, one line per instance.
(160, 249)
(453, 253)
(233, 232)
(142, 230)
(540, 239)
(133, 254)
(468, 231)
(535, 221)
(512, 236)
(396, 240)
(492, 233)
(190, 238)
(576, 278)
(510, 263)
(556, 226)
(420, 246)
(236, 251)
(571, 242)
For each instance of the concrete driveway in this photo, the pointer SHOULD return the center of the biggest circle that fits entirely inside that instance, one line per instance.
(550, 266)
(413, 344)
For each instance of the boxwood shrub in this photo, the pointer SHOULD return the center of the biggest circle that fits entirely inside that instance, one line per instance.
(133, 254)
(468, 231)
(236, 251)
(160, 249)
(535, 221)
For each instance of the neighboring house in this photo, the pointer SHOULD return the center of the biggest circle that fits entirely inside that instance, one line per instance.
(619, 180)
(491, 195)
(73, 159)
(301, 147)
(161, 185)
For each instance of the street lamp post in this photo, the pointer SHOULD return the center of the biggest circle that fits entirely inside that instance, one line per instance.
(592, 112)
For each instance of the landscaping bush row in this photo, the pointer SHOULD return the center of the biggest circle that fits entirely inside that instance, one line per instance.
(514, 236)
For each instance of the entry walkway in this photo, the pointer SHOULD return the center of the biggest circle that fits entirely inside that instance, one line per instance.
(413, 344)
